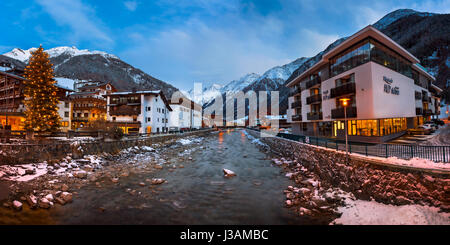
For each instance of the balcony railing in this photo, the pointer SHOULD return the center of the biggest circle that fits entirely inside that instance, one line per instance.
(313, 82)
(347, 88)
(339, 113)
(314, 116)
(295, 91)
(313, 99)
(296, 104)
(125, 111)
(425, 97)
(418, 111)
(297, 118)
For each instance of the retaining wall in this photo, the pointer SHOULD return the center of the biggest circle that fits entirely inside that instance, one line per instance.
(387, 184)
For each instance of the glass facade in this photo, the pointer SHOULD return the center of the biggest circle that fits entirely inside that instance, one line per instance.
(369, 50)
(375, 127)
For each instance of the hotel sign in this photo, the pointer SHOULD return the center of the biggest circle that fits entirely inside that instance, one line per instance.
(388, 88)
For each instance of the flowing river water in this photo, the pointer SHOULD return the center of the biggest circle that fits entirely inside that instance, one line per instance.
(196, 194)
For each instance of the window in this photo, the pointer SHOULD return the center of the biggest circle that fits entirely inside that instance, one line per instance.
(86, 114)
(149, 119)
(369, 50)
(114, 118)
(66, 114)
(66, 104)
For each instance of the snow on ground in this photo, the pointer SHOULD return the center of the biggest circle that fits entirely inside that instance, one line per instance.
(359, 212)
(189, 141)
(253, 139)
(21, 175)
(417, 162)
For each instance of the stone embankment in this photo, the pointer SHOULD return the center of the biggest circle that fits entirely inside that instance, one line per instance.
(322, 177)
(54, 151)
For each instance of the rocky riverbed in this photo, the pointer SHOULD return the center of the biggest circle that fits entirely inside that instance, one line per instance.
(56, 183)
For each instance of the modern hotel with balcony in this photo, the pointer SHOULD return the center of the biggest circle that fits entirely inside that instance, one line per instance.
(386, 89)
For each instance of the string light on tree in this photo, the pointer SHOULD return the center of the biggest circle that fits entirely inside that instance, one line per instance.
(41, 100)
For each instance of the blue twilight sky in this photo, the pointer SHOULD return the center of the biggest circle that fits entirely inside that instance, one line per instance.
(186, 41)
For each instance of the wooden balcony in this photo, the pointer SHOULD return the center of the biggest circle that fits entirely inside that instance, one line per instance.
(125, 110)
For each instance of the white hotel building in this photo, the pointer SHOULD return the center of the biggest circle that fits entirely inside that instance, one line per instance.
(389, 91)
(138, 111)
(185, 114)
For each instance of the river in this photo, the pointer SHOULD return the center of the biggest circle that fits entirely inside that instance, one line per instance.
(198, 193)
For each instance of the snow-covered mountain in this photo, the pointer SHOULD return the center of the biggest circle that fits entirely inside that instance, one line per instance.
(396, 15)
(24, 55)
(214, 90)
(272, 78)
(71, 64)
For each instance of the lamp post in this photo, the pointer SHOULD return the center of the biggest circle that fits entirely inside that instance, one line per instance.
(345, 104)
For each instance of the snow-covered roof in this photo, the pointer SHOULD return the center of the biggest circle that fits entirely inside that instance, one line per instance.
(136, 92)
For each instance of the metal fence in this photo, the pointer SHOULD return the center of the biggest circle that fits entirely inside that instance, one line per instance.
(433, 153)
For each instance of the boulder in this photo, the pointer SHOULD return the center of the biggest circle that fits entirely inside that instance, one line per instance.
(44, 203)
(64, 187)
(80, 174)
(49, 197)
(402, 200)
(288, 203)
(60, 201)
(142, 184)
(32, 201)
(17, 205)
(228, 173)
(157, 181)
(66, 196)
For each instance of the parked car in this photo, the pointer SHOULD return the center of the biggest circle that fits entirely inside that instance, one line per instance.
(420, 130)
(433, 126)
(438, 122)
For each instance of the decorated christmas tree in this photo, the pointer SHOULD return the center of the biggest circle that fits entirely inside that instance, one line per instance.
(41, 100)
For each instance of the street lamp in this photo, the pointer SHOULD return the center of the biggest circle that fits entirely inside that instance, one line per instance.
(345, 104)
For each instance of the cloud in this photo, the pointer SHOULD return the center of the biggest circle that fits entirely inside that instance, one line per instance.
(131, 5)
(197, 52)
(79, 17)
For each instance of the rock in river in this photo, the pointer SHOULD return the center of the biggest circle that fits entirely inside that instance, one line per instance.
(66, 196)
(32, 201)
(228, 173)
(157, 181)
(17, 205)
(80, 174)
(45, 203)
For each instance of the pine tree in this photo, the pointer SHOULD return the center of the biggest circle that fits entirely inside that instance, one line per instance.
(41, 100)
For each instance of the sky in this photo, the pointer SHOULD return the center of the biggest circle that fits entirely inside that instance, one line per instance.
(187, 41)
